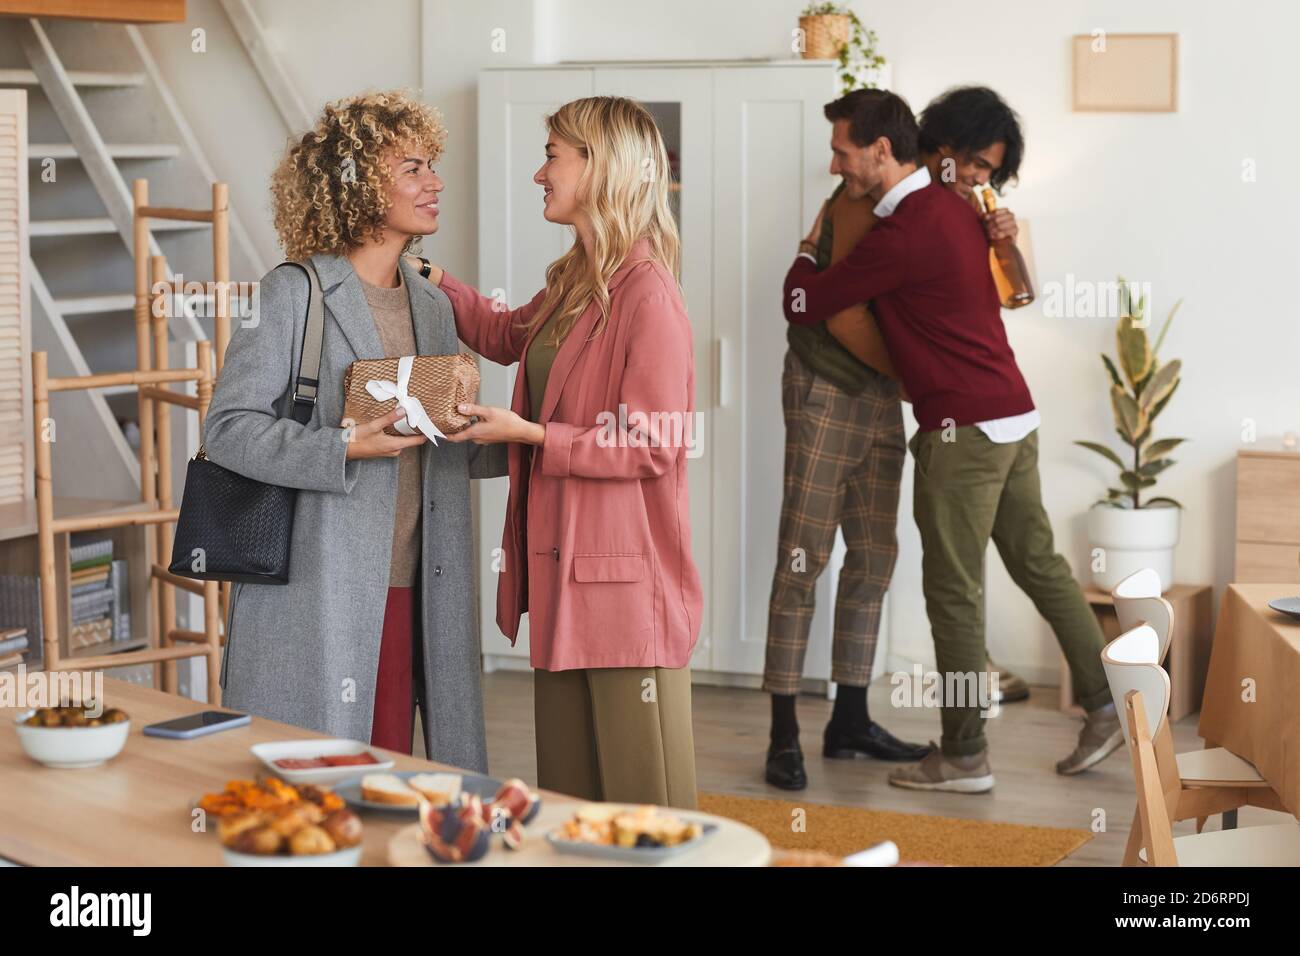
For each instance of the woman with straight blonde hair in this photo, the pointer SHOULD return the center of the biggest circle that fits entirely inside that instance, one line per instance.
(597, 543)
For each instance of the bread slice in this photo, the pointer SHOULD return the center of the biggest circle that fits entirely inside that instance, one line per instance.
(439, 789)
(388, 788)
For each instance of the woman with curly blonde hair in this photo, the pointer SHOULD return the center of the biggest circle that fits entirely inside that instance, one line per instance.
(597, 541)
(379, 612)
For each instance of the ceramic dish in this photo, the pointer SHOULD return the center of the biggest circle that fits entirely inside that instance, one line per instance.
(350, 790)
(1289, 606)
(272, 751)
(70, 748)
(647, 854)
(349, 857)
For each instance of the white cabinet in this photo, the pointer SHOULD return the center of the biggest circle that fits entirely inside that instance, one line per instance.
(750, 146)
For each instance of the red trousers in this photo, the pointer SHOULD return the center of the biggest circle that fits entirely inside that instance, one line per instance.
(394, 718)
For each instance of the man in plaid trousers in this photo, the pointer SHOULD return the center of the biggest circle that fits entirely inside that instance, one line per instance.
(844, 450)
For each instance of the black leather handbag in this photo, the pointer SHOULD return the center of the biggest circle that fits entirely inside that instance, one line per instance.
(234, 528)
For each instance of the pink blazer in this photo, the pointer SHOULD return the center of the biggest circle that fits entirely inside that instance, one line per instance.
(597, 541)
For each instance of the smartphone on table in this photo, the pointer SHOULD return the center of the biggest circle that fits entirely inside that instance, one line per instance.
(196, 725)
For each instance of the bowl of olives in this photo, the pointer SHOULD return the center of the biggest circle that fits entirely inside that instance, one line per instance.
(71, 737)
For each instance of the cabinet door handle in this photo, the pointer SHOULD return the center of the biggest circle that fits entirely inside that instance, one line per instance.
(721, 373)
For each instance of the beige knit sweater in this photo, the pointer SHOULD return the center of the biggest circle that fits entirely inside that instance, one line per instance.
(391, 309)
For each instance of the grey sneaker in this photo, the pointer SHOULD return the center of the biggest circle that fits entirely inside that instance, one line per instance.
(1010, 687)
(1100, 736)
(939, 772)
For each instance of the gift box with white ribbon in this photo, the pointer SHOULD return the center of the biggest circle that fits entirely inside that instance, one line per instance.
(428, 387)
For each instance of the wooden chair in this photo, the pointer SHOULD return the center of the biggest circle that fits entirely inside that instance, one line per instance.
(1140, 688)
(1138, 601)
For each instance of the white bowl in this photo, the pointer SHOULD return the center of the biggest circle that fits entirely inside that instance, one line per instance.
(72, 747)
(272, 751)
(349, 857)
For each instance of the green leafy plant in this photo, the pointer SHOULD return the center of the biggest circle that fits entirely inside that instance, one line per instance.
(1137, 396)
(859, 53)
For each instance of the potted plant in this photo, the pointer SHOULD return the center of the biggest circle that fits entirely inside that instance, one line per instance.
(1129, 531)
(832, 31)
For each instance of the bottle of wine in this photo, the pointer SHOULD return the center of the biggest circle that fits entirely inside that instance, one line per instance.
(1010, 274)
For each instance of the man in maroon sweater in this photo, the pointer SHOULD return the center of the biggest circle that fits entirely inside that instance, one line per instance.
(924, 268)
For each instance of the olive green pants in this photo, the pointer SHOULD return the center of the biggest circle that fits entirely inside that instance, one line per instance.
(621, 734)
(965, 491)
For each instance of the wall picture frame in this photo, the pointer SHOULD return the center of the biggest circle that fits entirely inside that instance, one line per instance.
(1125, 72)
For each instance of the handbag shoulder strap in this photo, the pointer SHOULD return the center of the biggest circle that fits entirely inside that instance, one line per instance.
(305, 383)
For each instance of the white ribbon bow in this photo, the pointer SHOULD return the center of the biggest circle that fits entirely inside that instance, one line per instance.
(382, 390)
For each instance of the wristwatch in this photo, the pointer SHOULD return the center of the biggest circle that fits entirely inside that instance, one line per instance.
(426, 267)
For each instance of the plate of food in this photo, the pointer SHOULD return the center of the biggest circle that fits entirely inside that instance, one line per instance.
(72, 737)
(268, 822)
(265, 793)
(631, 834)
(402, 791)
(318, 761)
(461, 825)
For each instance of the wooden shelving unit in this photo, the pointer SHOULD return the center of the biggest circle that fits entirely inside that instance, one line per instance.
(20, 555)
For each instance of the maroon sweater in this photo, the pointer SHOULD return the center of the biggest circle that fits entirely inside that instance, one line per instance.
(925, 271)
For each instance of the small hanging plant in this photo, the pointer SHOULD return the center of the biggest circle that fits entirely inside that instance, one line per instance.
(857, 54)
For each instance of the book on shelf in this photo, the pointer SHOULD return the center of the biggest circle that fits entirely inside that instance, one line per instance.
(90, 575)
(13, 640)
(89, 553)
(92, 597)
(121, 600)
(20, 604)
(90, 563)
(89, 633)
(82, 615)
(10, 660)
(90, 586)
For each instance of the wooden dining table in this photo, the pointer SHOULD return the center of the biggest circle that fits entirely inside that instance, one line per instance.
(136, 809)
(1252, 691)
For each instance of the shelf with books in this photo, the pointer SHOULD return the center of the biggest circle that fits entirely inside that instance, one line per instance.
(14, 645)
(102, 581)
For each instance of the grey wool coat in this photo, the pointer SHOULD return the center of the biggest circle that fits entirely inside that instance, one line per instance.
(307, 653)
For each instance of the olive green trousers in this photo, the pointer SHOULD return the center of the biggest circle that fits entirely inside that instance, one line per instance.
(618, 734)
(967, 491)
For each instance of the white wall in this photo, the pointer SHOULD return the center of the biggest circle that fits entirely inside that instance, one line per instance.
(1158, 197)
(331, 49)
(328, 49)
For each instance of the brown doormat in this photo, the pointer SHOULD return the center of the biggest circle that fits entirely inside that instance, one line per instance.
(840, 831)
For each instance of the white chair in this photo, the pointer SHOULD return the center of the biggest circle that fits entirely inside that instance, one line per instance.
(1140, 688)
(1138, 601)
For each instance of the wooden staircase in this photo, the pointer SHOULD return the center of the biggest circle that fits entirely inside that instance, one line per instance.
(100, 115)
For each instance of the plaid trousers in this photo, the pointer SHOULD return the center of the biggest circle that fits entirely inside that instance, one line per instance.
(843, 467)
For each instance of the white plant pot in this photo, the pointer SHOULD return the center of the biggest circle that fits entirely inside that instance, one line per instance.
(1123, 541)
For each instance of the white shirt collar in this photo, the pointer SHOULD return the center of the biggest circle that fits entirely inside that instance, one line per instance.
(909, 184)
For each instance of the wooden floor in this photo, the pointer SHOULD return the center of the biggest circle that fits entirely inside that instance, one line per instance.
(1025, 741)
